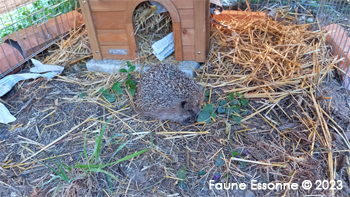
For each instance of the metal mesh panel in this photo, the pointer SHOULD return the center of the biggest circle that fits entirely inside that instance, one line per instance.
(34, 25)
(337, 13)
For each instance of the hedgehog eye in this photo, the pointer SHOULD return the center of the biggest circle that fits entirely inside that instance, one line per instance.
(192, 112)
(183, 103)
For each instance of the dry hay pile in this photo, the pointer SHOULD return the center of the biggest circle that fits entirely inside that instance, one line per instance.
(281, 69)
(259, 55)
(71, 50)
(149, 28)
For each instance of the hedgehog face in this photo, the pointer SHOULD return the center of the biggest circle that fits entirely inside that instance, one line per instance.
(190, 109)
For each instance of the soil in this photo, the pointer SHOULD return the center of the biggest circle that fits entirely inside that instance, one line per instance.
(154, 173)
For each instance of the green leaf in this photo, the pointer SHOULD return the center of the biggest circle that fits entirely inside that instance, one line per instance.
(123, 70)
(213, 114)
(131, 68)
(239, 94)
(181, 173)
(101, 90)
(128, 157)
(219, 161)
(116, 87)
(234, 153)
(129, 76)
(223, 102)
(204, 117)
(132, 86)
(202, 172)
(207, 93)
(208, 108)
(98, 142)
(109, 183)
(105, 93)
(183, 185)
(244, 102)
(221, 110)
(237, 119)
(236, 109)
(129, 64)
(132, 92)
(229, 110)
(103, 171)
(235, 102)
(110, 97)
(243, 164)
(82, 95)
(231, 97)
(245, 112)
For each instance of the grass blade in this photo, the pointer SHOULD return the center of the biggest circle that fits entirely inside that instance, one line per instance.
(98, 142)
(119, 148)
(103, 171)
(128, 157)
(109, 183)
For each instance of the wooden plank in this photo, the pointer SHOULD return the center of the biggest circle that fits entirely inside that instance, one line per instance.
(108, 5)
(208, 26)
(189, 53)
(200, 29)
(89, 23)
(107, 55)
(129, 26)
(109, 37)
(187, 18)
(9, 57)
(132, 40)
(184, 4)
(178, 42)
(188, 37)
(172, 9)
(109, 20)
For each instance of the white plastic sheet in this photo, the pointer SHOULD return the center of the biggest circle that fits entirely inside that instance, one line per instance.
(164, 47)
(5, 115)
(7, 83)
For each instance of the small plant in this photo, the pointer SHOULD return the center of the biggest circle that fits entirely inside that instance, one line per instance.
(94, 163)
(131, 85)
(201, 172)
(233, 107)
(110, 94)
(216, 177)
(206, 114)
(207, 94)
(220, 160)
(181, 173)
(243, 155)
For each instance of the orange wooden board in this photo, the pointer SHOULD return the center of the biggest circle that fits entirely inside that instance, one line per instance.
(9, 57)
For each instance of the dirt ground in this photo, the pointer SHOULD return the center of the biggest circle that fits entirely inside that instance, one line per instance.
(154, 173)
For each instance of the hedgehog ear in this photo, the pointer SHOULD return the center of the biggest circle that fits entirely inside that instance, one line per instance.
(183, 103)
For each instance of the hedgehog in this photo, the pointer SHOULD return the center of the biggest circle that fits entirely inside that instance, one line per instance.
(166, 93)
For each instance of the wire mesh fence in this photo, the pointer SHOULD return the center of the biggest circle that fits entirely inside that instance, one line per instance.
(28, 27)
